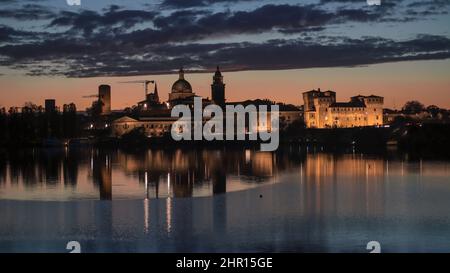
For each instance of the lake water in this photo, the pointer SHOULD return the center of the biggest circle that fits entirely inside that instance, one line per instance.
(90, 174)
(223, 200)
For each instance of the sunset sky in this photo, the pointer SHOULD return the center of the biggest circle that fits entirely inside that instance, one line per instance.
(266, 49)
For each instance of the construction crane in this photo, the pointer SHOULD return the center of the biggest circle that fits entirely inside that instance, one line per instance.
(144, 82)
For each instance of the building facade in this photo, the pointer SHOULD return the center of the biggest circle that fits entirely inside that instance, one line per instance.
(151, 126)
(155, 119)
(322, 111)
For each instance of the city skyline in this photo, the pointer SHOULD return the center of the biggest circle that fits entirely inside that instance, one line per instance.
(399, 50)
(240, 84)
(224, 126)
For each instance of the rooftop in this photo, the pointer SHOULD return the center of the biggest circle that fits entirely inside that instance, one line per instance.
(349, 104)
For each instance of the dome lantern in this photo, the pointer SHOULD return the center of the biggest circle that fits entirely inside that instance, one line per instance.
(181, 73)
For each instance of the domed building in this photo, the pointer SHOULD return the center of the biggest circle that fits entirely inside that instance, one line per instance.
(181, 90)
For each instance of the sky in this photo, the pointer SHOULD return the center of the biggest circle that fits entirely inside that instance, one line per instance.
(266, 49)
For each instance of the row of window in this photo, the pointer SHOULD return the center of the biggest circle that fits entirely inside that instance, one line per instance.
(346, 109)
(357, 118)
(148, 126)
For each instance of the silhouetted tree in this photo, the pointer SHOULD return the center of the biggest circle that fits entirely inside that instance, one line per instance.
(413, 107)
(433, 110)
(69, 121)
(95, 110)
(4, 126)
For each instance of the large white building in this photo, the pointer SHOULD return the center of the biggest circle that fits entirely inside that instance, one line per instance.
(322, 111)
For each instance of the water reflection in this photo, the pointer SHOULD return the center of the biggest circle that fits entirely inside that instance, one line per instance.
(66, 174)
(102, 173)
(323, 202)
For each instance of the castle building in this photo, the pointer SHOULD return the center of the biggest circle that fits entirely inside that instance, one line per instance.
(322, 111)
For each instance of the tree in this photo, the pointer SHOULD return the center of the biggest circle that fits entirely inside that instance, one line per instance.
(433, 110)
(3, 125)
(95, 110)
(69, 121)
(413, 107)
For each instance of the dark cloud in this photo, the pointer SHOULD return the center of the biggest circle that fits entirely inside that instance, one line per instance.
(87, 20)
(8, 34)
(81, 60)
(186, 26)
(117, 41)
(197, 3)
(28, 12)
(430, 3)
(428, 8)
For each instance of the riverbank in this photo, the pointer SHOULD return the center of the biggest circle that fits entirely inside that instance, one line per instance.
(423, 140)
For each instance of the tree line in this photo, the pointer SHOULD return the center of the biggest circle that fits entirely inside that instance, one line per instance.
(31, 124)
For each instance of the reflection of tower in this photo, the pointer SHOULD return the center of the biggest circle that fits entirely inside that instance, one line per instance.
(219, 182)
(70, 169)
(104, 97)
(218, 89)
(103, 175)
(182, 184)
(3, 171)
(52, 165)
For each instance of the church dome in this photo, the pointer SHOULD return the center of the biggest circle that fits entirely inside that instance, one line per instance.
(181, 85)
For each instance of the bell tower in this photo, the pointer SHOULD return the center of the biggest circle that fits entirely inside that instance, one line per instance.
(218, 89)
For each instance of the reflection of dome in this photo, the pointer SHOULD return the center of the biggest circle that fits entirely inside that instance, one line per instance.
(182, 85)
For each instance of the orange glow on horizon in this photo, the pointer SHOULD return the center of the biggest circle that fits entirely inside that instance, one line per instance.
(425, 81)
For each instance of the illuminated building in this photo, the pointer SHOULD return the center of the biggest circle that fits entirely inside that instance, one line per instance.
(322, 111)
(154, 117)
(152, 126)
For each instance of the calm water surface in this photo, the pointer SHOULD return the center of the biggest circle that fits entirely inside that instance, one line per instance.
(222, 200)
(80, 174)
